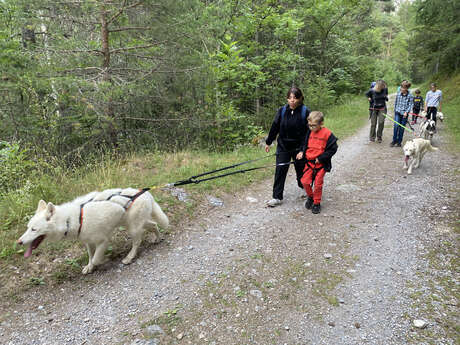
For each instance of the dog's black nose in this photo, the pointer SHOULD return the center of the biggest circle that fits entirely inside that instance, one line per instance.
(19, 242)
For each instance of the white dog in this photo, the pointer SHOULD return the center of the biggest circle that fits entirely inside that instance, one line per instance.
(92, 218)
(416, 149)
(427, 129)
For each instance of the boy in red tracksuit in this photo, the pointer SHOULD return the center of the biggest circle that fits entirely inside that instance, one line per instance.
(319, 147)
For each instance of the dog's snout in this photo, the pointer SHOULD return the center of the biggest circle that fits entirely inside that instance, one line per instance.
(19, 242)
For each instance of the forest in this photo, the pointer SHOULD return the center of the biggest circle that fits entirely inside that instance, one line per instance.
(83, 77)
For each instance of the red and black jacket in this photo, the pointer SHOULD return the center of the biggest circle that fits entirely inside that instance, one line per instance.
(330, 148)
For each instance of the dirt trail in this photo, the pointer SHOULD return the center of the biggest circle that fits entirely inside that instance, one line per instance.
(247, 274)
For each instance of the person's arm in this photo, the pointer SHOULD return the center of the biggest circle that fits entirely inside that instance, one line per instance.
(304, 147)
(440, 99)
(409, 106)
(330, 150)
(369, 95)
(427, 97)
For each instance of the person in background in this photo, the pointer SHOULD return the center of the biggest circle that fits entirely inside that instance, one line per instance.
(433, 101)
(378, 96)
(371, 104)
(290, 125)
(418, 105)
(320, 145)
(403, 105)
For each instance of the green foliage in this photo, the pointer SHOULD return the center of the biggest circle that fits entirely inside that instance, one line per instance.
(230, 129)
(15, 166)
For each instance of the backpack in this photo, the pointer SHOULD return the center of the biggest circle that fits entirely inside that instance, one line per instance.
(304, 112)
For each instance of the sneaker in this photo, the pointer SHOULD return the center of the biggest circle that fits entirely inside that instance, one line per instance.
(392, 144)
(379, 140)
(309, 203)
(316, 208)
(372, 139)
(398, 145)
(274, 202)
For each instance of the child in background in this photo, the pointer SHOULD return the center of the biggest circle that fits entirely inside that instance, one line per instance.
(319, 147)
(433, 102)
(418, 105)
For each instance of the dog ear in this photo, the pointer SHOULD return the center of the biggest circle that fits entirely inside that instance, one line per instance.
(50, 210)
(41, 205)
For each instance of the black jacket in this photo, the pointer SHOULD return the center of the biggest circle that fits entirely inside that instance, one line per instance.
(291, 129)
(379, 99)
(330, 150)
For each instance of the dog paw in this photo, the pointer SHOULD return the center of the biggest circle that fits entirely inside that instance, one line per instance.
(87, 269)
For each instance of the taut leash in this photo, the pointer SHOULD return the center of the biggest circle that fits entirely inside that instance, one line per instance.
(412, 130)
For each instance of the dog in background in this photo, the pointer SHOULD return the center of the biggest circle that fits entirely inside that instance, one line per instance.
(416, 149)
(92, 219)
(427, 129)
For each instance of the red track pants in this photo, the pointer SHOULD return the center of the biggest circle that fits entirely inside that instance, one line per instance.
(307, 180)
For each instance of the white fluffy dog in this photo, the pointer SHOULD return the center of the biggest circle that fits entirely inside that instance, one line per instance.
(416, 149)
(92, 218)
(427, 129)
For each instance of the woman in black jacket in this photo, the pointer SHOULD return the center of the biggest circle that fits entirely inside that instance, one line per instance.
(378, 96)
(290, 125)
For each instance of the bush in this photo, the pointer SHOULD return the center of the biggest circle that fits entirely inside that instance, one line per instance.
(15, 166)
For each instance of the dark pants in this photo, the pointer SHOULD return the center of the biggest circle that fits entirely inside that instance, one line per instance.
(431, 113)
(398, 131)
(414, 117)
(282, 170)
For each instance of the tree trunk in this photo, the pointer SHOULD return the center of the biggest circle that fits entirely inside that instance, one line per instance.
(106, 77)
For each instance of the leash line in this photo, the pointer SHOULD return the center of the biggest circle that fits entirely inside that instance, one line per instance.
(407, 129)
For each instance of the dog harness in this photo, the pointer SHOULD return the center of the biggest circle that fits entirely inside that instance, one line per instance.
(130, 202)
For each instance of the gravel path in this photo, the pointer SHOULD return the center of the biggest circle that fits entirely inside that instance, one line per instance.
(246, 274)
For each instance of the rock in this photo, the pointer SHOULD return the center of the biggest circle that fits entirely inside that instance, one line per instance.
(154, 330)
(357, 325)
(180, 336)
(180, 194)
(420, 324)
(327, 256)
(256, 293)
(251, 199)
(215, 201)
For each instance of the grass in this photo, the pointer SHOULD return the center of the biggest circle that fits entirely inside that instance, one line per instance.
(146, 169)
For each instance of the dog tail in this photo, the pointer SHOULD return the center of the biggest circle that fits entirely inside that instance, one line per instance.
(160, 217)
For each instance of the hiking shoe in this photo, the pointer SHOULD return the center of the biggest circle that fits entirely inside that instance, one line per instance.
(316, 208)
(274, 202)
(309, 203)
(392, 144)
